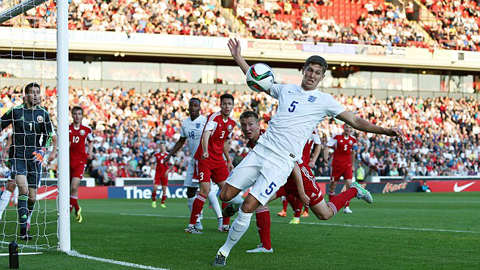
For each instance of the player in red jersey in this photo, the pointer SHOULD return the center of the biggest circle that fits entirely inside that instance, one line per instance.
(161, 175)
(343, 160)
(213, 160)
(79, 135)
(307, 151)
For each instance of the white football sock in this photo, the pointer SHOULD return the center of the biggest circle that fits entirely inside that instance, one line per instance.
(236, 201)
(238, 228)
(212, 198)
(4, 200)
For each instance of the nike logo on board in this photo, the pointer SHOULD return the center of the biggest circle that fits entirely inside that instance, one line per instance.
(457, 188)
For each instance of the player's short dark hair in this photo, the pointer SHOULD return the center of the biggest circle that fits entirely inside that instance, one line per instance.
(316, 59)
(195, 99)
(249, 114)
(29, 86)
(77, 108)
(226, 96)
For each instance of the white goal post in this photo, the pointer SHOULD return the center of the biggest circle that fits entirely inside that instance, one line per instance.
(63, 229)
(63, 130)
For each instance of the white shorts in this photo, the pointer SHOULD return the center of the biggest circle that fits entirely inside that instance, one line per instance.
(189, 182)
(263, 169)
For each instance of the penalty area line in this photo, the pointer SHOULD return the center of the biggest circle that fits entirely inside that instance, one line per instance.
(134, 265)
(330, 224)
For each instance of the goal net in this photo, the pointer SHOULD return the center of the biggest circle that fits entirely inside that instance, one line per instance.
(30, 52)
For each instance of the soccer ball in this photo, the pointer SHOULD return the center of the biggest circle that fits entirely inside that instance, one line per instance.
(260, 77)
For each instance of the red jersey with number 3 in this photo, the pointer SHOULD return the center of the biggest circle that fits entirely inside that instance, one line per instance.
(78, 142)
(221, 131)
(161, 166)
(342, 146)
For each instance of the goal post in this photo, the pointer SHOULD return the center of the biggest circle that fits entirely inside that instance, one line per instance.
(63, 131)
(38, 66)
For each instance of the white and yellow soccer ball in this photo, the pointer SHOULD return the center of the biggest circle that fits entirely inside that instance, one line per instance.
(260, 77)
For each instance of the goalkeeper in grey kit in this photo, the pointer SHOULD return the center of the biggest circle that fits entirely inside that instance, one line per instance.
(33, 133)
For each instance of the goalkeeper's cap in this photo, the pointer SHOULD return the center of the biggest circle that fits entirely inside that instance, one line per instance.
(316, 59)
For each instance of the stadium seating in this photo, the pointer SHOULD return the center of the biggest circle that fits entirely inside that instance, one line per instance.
(455, 24)
(443, 134)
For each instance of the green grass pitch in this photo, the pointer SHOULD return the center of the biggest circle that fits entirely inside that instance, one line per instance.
(399, 231)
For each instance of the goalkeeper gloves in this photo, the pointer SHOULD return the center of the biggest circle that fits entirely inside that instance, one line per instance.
(39, 155)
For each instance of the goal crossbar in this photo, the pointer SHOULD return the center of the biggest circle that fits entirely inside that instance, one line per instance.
(19, 9)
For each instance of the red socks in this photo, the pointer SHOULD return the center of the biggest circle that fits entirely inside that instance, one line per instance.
(297, 208)
(74, 203)
(164, 198)
(226, 220)
(197, 208)
(154, 197)
(263, 224)
(339, 201)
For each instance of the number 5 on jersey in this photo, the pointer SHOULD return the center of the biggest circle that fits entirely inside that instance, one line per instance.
(269, 190)
(293, 106)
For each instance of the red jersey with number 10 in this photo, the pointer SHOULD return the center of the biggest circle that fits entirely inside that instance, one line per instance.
(78, 141)
(161, 166)
(342, 155)
(221, 131)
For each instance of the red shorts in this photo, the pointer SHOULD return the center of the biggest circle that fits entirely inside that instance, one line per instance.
(309, 185)
(338, 172)
(204, 171)
(161, 179)
(77, 170)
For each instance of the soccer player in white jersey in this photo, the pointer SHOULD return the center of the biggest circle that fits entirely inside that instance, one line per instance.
(266, 168)
(191, 131)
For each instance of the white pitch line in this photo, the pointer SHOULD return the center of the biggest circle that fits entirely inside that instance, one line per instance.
(134, 265)
(330, 224)
(76, 254)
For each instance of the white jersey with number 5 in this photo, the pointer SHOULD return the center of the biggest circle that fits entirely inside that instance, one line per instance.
(298, 113)
(192, 130)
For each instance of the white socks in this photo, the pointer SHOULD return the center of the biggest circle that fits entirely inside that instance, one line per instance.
(238, 228)
(236, 201)
(4, 200)
(212, 198)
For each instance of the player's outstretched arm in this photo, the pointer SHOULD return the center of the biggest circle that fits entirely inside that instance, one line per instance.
(363, 125)
(178, 145)
(236, 51)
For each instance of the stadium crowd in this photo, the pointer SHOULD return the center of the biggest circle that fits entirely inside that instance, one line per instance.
(458, 24)
(442, 133)
(379, 24)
